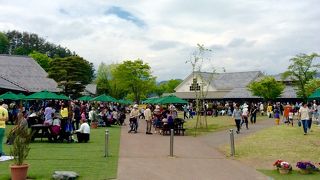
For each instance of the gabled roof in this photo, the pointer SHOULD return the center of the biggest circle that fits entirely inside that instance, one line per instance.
(224, 81)
(288, 93)
(91, 88)
(227, 81)
(22, 73)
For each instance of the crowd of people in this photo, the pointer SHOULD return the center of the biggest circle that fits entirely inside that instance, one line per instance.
(155, 116)
(68, 118)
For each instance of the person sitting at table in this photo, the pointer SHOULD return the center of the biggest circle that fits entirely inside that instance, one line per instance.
(83, 133)
(55, 128)
(22, 123)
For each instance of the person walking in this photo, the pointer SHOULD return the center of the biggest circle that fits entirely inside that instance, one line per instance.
(134, 115)
(148, 117)
(269, 110)
(304, 117)
(253, 113)
(245, 113)
(185, 112)
(236, 114)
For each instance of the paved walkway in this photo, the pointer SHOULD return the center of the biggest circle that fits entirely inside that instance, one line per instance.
(144, 157)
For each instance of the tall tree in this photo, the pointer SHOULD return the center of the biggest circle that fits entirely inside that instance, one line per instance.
(73, 73)
(135, 77)
(267, 88)
(171, 85)
(4, 43)
(166, 86)
(102, 79)
(301, 70)
(42, 59)
(25, 43)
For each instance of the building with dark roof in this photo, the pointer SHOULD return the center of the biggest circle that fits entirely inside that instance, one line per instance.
(24, 74)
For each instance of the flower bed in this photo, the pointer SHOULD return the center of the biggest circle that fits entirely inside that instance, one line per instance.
(282, 166)
(306, 167)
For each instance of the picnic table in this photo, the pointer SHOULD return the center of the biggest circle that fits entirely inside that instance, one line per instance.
(177, 127)
(40, 131)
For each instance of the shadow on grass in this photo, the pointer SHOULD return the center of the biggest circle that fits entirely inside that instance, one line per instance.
(294, 175)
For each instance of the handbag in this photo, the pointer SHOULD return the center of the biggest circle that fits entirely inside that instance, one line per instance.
(299, 123)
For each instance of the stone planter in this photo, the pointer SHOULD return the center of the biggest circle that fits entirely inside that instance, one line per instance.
(284, 171)
(305, 171)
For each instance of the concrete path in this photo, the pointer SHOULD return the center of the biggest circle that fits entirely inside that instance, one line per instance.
(145, 157)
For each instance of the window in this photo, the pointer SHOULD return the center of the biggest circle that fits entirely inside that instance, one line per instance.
(195, 86)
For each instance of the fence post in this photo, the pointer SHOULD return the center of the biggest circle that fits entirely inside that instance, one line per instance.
(106, 146)
(171, 142)
(232, 142)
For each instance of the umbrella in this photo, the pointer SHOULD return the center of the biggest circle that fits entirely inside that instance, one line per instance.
(171, 100)
(85, 98)
(21, 96)
(9, 95)
(43, 95)
(104, 98)
(63, 97)
(123, 101)
(315, 94)
(150, 100)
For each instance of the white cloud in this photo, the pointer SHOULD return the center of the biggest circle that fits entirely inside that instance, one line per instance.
(244, 35)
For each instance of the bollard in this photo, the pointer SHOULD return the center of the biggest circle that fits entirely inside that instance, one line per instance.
(232, 142)
(106, 146)
(171, 142)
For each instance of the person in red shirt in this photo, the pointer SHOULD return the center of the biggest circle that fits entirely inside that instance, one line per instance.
(286, 112)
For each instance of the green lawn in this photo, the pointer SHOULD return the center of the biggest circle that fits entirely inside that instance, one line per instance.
(279, 142)
(214, 124)
(294, 175)
(87, 159)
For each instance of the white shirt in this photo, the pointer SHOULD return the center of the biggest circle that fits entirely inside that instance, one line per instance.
(147, 114)
(304, 113)
(91, 115)
(84, 128)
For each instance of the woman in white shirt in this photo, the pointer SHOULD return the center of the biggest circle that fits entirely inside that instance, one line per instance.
(304, 117)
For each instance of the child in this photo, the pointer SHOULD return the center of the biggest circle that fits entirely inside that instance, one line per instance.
(290, 117)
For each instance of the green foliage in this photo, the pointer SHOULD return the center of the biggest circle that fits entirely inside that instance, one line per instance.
(4, 43)
(25, 43)
(135, 77)
(267, 88)
(45, 157)
(167, 87)
(102, 79)
(72, 72)
(311, 86)
(301, 70)
(20, 148)
(42, 59)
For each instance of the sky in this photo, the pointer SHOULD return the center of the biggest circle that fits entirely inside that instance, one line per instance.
(243, 35)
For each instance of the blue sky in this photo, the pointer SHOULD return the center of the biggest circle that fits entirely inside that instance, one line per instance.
(243, 35)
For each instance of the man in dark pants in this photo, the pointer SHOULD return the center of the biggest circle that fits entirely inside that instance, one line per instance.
(253, 113)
